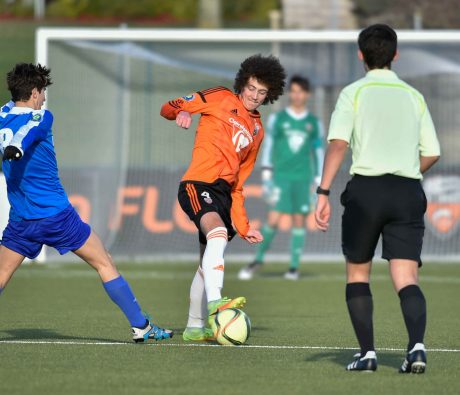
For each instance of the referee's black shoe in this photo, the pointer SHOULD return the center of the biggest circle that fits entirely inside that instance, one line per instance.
(368, 363)
(415, 361)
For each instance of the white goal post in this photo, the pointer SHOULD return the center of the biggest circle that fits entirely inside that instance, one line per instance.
(45, 35)
(124, 74)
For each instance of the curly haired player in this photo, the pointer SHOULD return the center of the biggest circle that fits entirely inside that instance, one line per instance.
(228, 138)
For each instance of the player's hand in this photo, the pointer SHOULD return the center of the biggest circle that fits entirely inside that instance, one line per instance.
(184, 119)
(323, 213)
(12, 153)
(253, 236)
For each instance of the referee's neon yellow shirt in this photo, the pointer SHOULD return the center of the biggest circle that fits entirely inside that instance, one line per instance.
(387, 124)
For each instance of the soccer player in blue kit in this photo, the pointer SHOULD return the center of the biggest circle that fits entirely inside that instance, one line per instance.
(40, 210)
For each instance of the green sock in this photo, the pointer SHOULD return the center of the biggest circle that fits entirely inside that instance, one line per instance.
(297, 243)
(268, 233)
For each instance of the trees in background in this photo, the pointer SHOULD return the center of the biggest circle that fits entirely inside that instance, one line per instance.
(402, 14)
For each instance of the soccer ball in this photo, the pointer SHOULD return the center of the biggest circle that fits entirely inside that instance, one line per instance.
(233, 327)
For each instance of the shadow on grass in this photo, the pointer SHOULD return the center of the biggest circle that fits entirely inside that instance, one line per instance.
(45, 334)
(344, 357)
(272, 275)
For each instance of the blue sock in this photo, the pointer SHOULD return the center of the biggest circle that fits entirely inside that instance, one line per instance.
(120, 292)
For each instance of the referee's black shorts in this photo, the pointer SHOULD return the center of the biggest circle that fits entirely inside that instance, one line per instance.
(388, 205)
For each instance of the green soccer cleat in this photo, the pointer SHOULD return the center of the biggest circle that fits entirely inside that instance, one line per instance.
(198, 335)
(221, 304)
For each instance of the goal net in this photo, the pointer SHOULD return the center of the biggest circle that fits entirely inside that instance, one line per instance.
(121, 163)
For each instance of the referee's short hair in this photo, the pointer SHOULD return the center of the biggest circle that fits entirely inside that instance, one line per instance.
(303, 82)
(378, 43)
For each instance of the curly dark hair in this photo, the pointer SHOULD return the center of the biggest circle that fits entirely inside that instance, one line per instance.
(24, 78)
(267, 70)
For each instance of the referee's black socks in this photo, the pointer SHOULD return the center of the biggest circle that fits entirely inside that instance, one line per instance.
(413, 307)
(360, 307)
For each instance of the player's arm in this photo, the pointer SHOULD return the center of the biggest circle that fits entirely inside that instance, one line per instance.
(238, 212)
(182, 108)
(429, 147)
(266, 159)
(340, 132)
(318, 151)
(33, 131)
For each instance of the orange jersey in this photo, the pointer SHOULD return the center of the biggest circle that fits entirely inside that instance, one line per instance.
(227, 141)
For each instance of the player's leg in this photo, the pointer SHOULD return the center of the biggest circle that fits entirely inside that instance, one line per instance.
(404, 274)
(402, 246)
(208, 206)
(268, 232)
(360, 308)
(297, 244)
(9, 261)
(213, 266)
(360, 304)
(94, 253)
(196, 329)
(361, 228)
(300, 206)
(16, 246)
(197, 315)
(280, 203)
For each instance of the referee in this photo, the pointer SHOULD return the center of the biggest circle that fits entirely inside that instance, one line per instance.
(389, 129)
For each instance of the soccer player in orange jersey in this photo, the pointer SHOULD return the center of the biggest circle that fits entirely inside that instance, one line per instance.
(228, 138)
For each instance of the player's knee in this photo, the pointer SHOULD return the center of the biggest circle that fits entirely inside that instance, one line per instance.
(358, 273)
(110, 258)
(402, 281)
(358, 278)
(210, 221)
(103, 262)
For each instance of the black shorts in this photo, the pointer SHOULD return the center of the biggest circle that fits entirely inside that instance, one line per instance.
(388, 205)
(198, 198)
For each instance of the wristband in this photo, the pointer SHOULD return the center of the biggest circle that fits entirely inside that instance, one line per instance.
(321, 191)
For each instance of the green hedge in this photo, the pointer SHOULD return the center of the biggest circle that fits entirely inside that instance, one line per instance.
(183, 10)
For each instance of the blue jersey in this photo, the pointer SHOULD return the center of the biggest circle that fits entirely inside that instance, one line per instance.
(34, 188)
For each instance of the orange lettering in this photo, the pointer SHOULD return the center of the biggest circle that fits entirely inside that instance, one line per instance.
(150, 210)
(82, 205)
(125, 209)
(182, 221)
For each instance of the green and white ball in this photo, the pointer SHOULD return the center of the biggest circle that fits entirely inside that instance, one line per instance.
(233, 327)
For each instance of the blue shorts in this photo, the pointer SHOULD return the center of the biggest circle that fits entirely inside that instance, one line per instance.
(64, 231)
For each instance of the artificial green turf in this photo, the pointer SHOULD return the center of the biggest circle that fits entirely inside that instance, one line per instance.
(67, 303)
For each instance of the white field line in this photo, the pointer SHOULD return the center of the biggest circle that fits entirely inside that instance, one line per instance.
(166, 275)
(248, 346)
